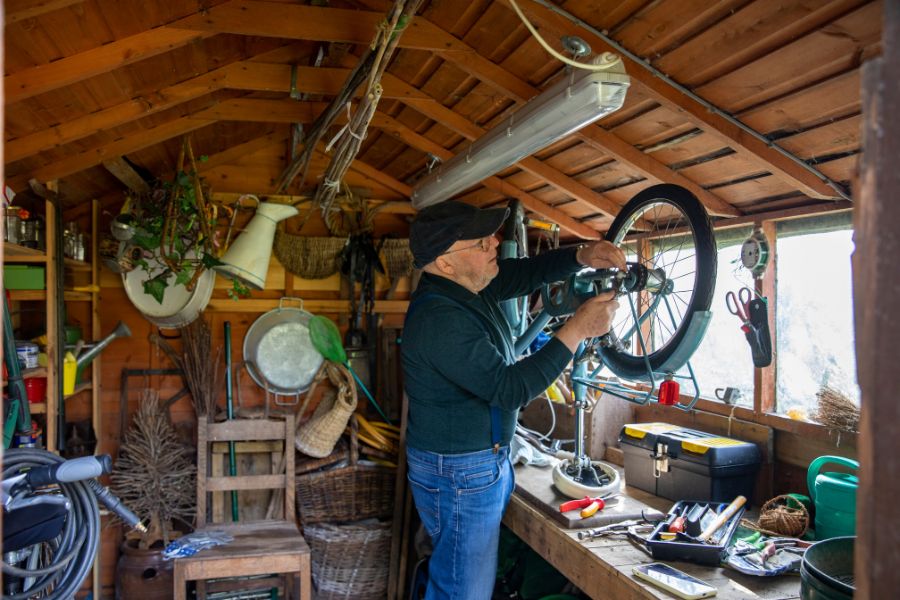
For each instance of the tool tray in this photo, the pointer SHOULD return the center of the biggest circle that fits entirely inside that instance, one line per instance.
(682, 548)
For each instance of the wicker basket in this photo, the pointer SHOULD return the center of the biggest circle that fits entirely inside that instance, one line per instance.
(350, 561)
(350, 493)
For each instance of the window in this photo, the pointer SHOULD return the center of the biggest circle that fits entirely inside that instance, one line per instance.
(814, 319)
(723, 358)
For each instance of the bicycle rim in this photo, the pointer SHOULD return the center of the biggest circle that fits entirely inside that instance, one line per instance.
(667, 230)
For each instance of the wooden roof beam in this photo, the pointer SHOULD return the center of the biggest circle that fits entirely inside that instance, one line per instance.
(729, 133)
(124, 172)
(78, 67)
(96, 156)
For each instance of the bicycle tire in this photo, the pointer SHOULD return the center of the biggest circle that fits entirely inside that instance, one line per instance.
(632, 366)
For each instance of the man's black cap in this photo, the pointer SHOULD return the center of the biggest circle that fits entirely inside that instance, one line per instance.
(439, 226)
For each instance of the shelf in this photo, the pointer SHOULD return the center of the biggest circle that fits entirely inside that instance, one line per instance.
(16, 253)
(78, 265)
(81, 387)
(27, 294)
(37, 408)
(77, 296)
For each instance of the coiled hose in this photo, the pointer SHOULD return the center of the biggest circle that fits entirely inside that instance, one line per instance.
(72, 554)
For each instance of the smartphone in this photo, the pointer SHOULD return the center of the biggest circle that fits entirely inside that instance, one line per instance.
(672, 580)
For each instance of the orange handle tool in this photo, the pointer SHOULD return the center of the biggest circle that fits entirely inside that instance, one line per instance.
(592, 508)
(581, 503)
(677, 526)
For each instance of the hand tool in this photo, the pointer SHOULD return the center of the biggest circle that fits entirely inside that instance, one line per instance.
(588, 505)
(723, 517)
(739, 306)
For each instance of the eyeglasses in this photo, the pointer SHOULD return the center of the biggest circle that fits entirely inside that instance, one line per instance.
(484, 243)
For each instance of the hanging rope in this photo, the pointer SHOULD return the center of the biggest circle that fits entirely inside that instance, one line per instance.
(350, 141)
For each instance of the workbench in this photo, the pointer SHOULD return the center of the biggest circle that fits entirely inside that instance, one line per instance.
(601, 568)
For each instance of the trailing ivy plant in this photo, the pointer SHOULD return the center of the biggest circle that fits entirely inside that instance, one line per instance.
(177, 232)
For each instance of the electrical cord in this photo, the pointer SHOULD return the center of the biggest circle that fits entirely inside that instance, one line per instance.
(605, 60)
(73, 555)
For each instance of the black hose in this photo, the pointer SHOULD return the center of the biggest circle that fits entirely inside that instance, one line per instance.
(72, 559)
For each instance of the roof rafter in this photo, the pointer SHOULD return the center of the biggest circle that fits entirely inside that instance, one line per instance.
(727, 132)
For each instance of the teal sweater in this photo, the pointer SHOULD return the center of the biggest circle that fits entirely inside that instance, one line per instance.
(458, 358)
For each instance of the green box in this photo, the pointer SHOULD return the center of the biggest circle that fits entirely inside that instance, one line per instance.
(23, 277)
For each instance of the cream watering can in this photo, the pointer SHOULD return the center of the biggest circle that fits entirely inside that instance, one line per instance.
(247, 259)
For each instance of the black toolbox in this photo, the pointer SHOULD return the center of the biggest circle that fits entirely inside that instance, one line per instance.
(678, 463)
(684, 547)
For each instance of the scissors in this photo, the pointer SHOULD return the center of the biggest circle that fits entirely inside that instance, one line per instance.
(739, 305)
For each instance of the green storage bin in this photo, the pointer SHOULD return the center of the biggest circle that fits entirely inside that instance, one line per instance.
(23, 277)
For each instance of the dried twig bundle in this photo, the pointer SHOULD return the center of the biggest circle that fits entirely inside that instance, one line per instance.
(153, 476)
(836, 410)
(201, 368)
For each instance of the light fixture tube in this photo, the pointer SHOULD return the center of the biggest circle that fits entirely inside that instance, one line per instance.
(578, 99)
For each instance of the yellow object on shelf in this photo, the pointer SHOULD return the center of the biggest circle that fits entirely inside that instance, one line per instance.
(70, 369)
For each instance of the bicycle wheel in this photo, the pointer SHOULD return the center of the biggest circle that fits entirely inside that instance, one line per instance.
(666, 230)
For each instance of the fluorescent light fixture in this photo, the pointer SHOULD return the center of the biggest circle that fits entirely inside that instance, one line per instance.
(578, 99)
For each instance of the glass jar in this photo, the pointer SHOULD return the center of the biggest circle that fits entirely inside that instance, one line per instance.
(11, 224)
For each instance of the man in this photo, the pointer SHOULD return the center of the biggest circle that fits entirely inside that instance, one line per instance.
(465, 385)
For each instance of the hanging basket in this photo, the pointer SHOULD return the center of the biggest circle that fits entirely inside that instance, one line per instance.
(317, 436)
(346, 493)
(350, 561)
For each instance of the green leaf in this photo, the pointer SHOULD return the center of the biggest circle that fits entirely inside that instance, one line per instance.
(184, 276)
(146, 240)
(209, 261)
(156, 287)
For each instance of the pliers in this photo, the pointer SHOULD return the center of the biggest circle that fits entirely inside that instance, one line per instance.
(588, 506)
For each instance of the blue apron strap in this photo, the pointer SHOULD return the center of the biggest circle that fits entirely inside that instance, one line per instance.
(495, 428)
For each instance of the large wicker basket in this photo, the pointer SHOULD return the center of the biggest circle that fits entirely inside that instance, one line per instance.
(350, 561)
(350, 493)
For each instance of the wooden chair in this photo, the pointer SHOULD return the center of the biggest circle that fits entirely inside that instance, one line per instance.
(267, 547)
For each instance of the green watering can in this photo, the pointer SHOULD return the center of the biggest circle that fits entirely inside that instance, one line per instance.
(834, 495)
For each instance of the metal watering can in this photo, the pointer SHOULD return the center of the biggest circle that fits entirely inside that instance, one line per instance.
(834, 495)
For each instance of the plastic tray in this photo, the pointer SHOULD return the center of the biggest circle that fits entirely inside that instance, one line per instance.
(696, 552)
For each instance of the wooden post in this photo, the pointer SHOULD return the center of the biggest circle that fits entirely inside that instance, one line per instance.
(876, 297)
(764, 380)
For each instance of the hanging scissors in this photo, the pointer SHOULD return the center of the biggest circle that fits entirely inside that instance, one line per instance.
(739, 304)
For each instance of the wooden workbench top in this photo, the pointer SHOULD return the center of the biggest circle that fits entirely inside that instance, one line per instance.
(601, 568)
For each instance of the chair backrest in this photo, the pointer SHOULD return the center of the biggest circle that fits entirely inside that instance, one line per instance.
(246, 430)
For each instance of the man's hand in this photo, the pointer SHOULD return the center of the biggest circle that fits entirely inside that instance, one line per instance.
(592, 319)
(601, 255)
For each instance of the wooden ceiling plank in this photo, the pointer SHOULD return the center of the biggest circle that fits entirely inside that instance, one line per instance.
(823, 53)
(715, 124)
(121, 170)
(666, 24)
(732, 44)
(28, 145)
(296, 21)
(96, 156)
(264, 111)
(72, 69)
(19, 10)
(655, 170)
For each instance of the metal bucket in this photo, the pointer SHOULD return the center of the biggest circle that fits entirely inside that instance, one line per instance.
(279, 351)
(826, 572)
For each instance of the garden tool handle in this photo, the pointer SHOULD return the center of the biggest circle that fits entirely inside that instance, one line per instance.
(816, 466)
(723, 517)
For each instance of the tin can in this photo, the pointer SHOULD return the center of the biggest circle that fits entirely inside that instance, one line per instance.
(28, 354)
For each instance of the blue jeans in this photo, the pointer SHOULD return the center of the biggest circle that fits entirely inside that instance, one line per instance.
(461, 499)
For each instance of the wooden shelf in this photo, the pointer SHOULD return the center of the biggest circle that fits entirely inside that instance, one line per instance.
(16, 253)
(78, 265)
(77, 296)
(81, 387)
(37, 408)
(28, 295)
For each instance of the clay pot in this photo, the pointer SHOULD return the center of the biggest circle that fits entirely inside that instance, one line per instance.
(143, 573)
